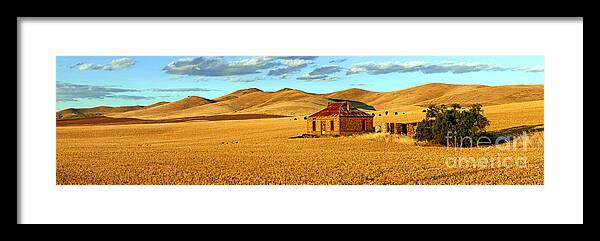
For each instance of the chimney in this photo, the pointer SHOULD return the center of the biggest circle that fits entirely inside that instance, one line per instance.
(348, 105)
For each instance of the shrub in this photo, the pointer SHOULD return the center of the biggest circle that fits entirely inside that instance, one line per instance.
(443, 121)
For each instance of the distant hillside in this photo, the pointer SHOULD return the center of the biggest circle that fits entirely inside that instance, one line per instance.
(155, 104)
(237, 94)
(74, 113)
(247, 101)
(489, 95)
(166, 109)
(298, 103)
(438, 93)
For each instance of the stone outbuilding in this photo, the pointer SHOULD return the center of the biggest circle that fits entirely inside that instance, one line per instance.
(406, 129)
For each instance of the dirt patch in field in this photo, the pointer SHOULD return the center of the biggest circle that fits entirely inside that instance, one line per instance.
(103, 120)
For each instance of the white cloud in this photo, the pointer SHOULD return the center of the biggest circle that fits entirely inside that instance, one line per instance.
(320, 78)
(461, 67)
(291, 66)
(218, 66)
(373, 68)
(295, 62)
(116, 64)
(244, 79)
(73, 92)
(533, 68)
(385, 67)
(326, 70)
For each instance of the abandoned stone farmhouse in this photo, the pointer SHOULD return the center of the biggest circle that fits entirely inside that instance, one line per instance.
(339, 118)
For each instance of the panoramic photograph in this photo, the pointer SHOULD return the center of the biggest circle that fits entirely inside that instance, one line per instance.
(299, 120)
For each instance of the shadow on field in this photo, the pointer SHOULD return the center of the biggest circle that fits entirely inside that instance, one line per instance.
(104, 120)
(357, 104)
(509, 133)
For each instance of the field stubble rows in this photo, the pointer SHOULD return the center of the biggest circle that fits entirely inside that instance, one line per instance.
(261, 152)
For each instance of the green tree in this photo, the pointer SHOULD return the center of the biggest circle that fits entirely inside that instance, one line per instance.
(452, 125)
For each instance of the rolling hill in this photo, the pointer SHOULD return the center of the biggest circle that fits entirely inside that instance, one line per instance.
(293, 102)
(164, 110)
(74, 113)
(247, 101)
(437, 93)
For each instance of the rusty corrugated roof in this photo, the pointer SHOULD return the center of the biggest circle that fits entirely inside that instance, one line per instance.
(343, 109)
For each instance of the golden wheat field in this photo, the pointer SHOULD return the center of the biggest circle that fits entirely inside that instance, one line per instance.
(260, 151)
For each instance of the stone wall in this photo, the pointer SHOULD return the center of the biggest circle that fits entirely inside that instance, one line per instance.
(325, 123)
(341, 126)
(350, 125)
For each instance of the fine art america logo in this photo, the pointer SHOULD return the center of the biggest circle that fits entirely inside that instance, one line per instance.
(504, 157)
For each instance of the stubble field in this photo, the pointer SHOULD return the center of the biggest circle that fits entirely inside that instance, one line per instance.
(260, 151)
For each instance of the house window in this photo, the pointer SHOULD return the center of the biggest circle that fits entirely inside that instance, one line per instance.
(364, 125)
(314, 126)
(331, 124)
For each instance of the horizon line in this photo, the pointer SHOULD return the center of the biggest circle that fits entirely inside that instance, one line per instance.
(286, 88)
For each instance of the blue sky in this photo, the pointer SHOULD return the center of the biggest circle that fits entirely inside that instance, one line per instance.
(88, 81)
